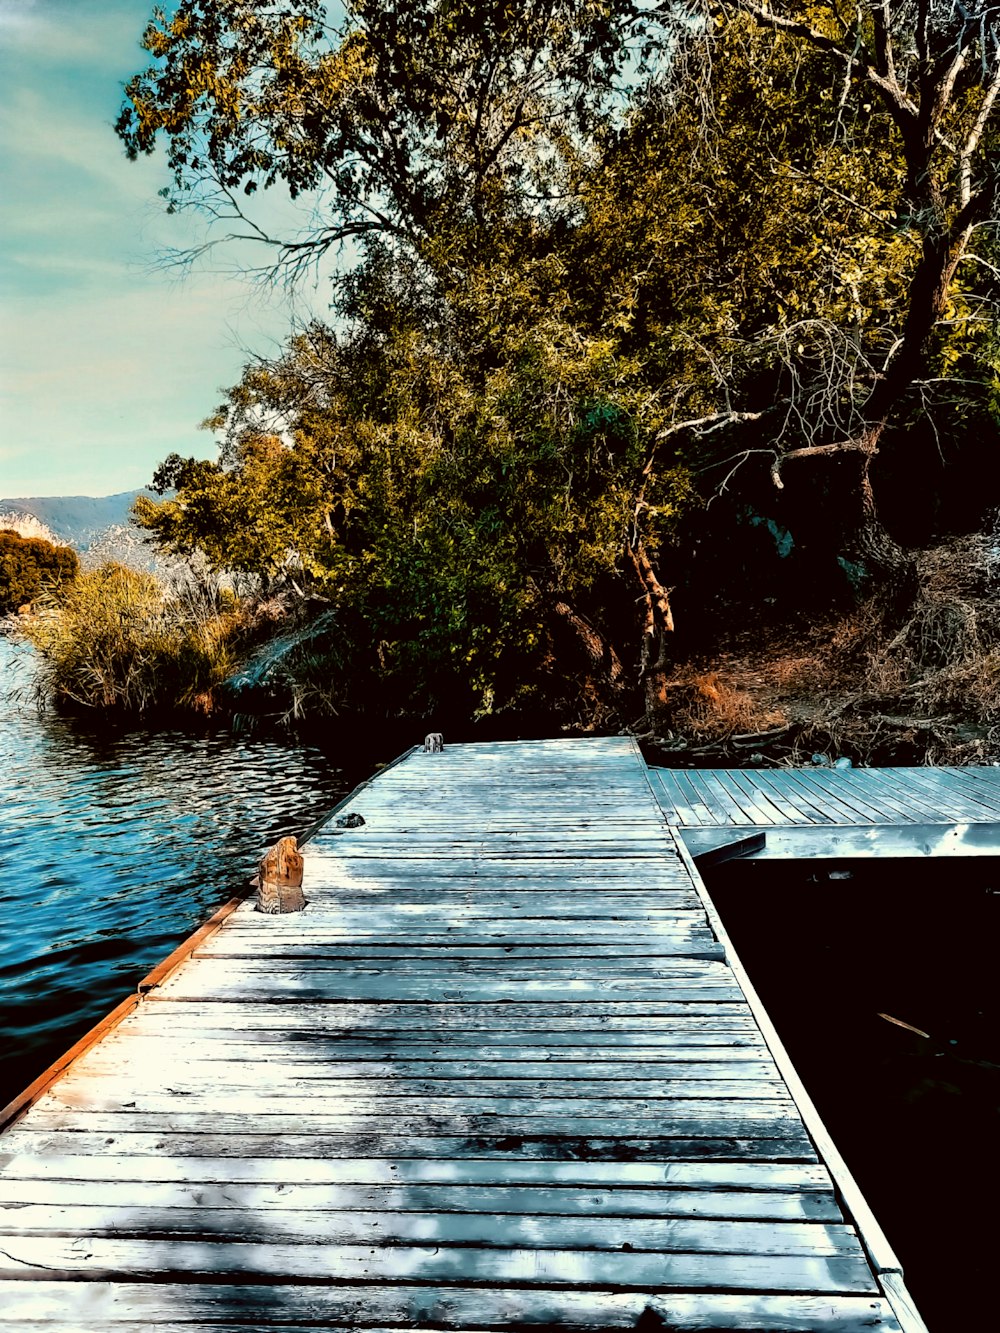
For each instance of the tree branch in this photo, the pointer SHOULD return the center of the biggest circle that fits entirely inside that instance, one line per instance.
(901, 108)
(975, 135)
(705, 425)
(658, 612)
(861, 446)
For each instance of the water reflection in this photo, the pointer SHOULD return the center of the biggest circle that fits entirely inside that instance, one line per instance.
(114, 845)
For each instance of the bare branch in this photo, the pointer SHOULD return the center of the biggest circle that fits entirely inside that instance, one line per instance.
(975, 135)
(885, 62)
(705, 425)
(860, 446)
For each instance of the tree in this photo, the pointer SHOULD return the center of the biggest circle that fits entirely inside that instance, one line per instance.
(593, 269)
(934, 66)
(462, 518)
(29, 566)
(398, 119)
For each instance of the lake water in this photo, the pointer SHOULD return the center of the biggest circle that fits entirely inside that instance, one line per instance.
(114, 846)
(915, 1116)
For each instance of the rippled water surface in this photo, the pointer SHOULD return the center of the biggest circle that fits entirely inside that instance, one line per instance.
(114, 846)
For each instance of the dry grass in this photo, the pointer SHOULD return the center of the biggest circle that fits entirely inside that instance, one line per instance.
(709, 707)
(120, 640)
(923, 689)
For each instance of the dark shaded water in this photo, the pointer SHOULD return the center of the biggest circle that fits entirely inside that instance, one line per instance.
(917, 1118)
(114, 846)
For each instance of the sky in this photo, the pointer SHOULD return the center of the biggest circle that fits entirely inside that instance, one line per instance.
(107, 363)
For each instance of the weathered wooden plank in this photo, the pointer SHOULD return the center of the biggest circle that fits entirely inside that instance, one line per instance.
(522, 930)
(693, 1119)
(511, 837)
(596, 1014)
(622, 945)
(591, 855)
(552, 1047)
(458, 903)
(365, 1095)
(487, 1229)
(191, 1070)
(377, 1308)
(426, 1058)
(54, 1198)
(122, 1162)
(104, 1257)
(901, 1303)
(509, 960)
(282, 970)
(491, 1230)
(118, 1139)
(668, 1102)
(342, 869)
(197, 982)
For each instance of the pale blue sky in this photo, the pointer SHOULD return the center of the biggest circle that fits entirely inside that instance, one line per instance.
(106, 364)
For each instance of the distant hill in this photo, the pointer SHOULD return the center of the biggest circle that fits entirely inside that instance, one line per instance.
(75, 519)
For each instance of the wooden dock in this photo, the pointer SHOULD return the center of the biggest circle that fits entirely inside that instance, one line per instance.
(504, 1072)
(827, 812)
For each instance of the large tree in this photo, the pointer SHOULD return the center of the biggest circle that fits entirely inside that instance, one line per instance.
(933, 66)
(596, 250)
(397, 119)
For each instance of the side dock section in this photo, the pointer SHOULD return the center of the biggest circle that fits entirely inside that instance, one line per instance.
(503, 1072)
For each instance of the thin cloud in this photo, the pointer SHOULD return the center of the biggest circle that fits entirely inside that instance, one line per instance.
(70, 33)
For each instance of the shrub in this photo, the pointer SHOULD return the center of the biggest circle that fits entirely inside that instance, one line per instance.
(117, 640)
(30, 566)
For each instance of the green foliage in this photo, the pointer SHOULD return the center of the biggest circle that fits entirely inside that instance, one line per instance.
(441, 507)
(30, 566)
(117, 641)
(400, 115)
(597, 280)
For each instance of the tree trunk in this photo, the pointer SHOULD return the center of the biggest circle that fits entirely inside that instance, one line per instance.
(872, 560)
(658, 623)
(600, 653)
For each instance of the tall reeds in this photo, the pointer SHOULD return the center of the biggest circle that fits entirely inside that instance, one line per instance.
(119, 639)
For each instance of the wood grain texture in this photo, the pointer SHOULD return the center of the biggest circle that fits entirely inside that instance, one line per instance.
(857, 797)
(129, 1306)
(497, 1073)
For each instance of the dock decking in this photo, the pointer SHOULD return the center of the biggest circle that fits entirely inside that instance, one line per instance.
(826, 812)
(504, 1072)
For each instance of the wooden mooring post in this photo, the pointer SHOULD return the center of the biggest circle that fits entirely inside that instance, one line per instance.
(279, 879)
